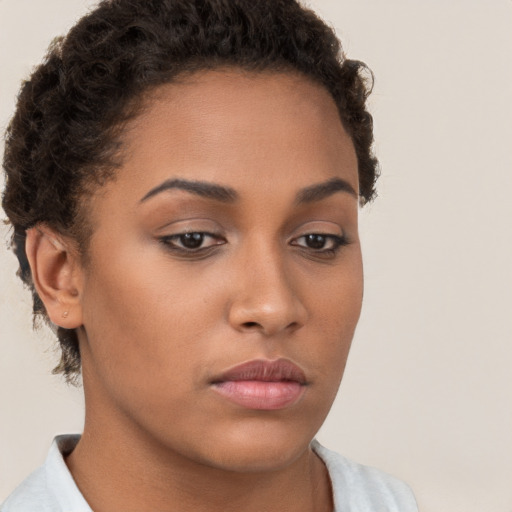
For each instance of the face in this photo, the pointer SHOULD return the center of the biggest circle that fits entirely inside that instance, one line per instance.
(224, 279)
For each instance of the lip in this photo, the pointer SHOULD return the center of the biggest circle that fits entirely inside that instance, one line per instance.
(262, 384)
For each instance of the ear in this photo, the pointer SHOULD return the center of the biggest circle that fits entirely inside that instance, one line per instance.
(56, 274)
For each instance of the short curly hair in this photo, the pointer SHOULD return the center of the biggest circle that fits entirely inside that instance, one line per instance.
(63, 139)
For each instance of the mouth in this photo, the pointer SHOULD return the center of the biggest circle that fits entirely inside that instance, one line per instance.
(262, 385)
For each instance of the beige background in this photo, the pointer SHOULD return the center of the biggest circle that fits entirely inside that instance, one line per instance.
(427, 394)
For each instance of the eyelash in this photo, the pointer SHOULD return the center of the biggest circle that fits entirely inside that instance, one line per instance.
(337, 242)
(170, 243)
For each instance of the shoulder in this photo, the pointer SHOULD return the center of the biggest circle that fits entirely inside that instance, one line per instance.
(49, 488)
(30, 495)
(357, 487)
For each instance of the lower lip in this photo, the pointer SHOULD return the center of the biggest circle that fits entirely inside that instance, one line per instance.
(261, 395)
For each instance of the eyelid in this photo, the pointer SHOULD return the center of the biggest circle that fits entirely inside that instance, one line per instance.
(171, 243)
(335, 235)
(207, 234)
(319, 227)
(337, 239)
(189, 225)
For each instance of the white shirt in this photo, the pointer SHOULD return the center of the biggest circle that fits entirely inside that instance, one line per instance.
(356, 488)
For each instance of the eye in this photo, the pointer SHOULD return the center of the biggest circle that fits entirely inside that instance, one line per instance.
(320, 243)
(192, 242)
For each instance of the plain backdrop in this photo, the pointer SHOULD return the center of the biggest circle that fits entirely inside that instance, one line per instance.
(427, 394)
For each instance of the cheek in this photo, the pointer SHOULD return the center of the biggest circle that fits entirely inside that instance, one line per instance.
(153, 325)
(338, 303)
(133, 314)
(337, 310)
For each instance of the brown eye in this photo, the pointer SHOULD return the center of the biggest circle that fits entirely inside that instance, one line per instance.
(320, 243)
(315, 241)
(192, 240)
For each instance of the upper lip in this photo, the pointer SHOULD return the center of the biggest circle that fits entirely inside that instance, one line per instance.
(265, 371)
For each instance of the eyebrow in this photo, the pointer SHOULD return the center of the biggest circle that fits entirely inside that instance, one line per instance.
(200, 188)
(228, 195)
(324, 190)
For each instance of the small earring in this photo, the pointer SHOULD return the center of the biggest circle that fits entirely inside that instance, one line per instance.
(65, 314)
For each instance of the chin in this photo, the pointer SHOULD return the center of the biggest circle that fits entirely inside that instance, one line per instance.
(261, 458)
(252, 448)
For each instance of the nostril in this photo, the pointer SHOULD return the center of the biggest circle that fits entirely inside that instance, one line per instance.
(251, 325)
(255, 325)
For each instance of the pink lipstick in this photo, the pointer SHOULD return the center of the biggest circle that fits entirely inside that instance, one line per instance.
(263, 385)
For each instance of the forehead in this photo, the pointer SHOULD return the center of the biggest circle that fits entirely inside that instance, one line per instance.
(242, 129)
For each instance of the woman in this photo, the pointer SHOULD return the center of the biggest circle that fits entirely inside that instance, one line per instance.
(183, 180)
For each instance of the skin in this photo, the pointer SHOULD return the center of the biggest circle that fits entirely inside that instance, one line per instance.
(156, 324)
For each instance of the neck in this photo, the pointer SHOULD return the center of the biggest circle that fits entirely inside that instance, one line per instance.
(118, 467)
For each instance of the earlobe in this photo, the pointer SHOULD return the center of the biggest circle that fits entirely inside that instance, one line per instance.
(56, 274)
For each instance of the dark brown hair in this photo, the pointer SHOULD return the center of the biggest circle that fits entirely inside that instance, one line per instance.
(64, 136)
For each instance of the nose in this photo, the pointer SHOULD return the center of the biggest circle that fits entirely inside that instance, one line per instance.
(265, 298)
